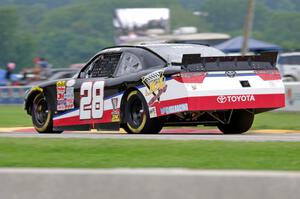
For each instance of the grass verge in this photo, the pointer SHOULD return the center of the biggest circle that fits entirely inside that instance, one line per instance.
(113, 153)
(277, 120)
(15, 116)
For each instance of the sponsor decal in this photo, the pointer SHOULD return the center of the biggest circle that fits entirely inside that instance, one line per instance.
(114, 102)
(174, 109)
(60, 96)
(156, 85)
(61, 105)
(115, 114)
(152, 112)
(235, 98)
(115, 118)
(64, 96)
(61, 86)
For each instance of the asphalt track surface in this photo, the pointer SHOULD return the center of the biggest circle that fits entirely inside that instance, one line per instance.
(175, 134)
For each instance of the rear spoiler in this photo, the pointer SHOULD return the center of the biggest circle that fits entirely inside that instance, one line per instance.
(264, 61)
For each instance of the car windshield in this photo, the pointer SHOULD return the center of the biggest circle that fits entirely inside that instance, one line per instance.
(174, 52)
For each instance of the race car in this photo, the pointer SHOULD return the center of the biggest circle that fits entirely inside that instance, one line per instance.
(146, 87)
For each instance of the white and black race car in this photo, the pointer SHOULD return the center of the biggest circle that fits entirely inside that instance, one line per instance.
(144, 88)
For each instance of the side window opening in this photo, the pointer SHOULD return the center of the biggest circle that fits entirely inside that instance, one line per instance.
(130, 63)
(105, 65)
(150, 60)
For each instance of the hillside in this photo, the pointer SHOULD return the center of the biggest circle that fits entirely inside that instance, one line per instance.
(68, 31)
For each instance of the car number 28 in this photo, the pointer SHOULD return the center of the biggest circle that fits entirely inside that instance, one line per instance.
(91, 100)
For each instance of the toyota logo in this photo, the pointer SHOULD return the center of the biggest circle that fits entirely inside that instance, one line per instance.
(221, 99)
(230, 74)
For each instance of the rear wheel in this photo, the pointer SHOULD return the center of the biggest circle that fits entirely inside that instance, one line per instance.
(137, 116)
(41, 115)
(241, 121)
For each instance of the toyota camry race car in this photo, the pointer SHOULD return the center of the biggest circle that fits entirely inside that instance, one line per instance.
(143, 88)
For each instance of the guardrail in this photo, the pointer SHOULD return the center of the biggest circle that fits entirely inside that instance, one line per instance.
(12, 94)
(15, 95)
(147, 184)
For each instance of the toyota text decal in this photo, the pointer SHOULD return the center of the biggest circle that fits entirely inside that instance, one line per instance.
(235, 98)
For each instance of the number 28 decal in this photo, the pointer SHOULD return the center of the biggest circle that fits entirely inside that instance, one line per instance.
(91, 100)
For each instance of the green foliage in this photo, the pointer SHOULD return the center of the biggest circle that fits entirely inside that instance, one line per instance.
(283, 28)
(270, 24)
(69, 31)
(8, 27)
(15, 45)
(180, 17)
(225, 15)
(289, 5)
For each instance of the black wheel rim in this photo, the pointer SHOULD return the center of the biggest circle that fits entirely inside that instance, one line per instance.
(41, 111)
(136, 112)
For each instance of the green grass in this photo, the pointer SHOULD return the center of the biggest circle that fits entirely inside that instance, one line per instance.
(15, 116)
(277, 120)
(114, 153)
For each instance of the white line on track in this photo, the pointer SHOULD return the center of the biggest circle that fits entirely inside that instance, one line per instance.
(294, 137)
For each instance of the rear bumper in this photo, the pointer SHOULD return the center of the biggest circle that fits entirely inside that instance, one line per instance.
(220, 102)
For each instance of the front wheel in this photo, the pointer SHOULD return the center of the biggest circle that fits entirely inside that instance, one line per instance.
(137, 116)
(241, 121)
(41, 115)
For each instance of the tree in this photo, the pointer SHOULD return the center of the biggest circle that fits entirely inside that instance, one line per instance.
(8, 27)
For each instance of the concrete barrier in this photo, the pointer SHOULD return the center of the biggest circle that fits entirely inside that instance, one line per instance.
(147, 184)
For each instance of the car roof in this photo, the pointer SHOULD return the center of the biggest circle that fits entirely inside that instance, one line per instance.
(167, 50)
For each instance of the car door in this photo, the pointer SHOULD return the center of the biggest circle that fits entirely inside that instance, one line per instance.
(93, 86)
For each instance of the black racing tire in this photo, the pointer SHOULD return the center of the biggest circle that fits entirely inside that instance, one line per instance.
(137, 116)
(241, 121)
(41, 115)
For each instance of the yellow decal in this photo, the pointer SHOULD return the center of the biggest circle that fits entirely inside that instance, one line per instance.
(154, 82)
(115, 118)
(61, 83)
(37, 88)
(156, 85)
